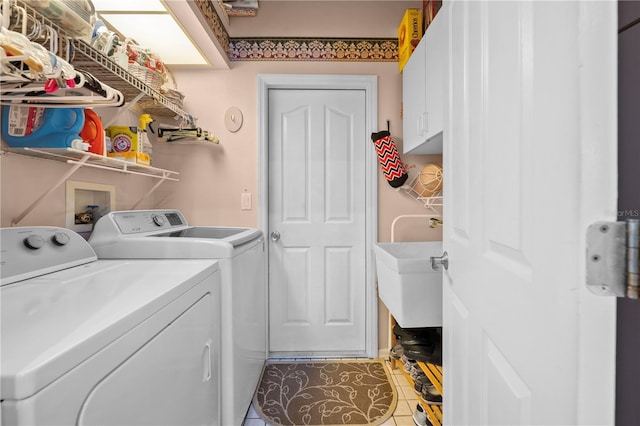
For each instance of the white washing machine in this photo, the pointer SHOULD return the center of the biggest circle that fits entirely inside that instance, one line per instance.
(105, 342)
(165, 234)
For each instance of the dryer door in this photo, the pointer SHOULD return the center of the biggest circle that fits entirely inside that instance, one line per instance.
(172, 380)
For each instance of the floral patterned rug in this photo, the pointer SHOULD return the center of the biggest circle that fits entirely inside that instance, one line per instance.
(352, 392)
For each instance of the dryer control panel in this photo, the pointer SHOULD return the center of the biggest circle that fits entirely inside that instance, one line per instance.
(28, 252)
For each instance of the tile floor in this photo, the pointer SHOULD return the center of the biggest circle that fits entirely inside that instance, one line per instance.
(402, 416)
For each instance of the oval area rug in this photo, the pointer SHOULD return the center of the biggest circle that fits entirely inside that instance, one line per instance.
(340, 392)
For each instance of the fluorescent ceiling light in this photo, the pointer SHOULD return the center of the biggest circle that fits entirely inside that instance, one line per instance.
(129, 5)
(150, 24)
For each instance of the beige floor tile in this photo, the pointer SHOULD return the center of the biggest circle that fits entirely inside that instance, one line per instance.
(389, 422)
(407, 391)
(252, 413)
(254, 422)
(412, 402)
(396, 380)
(404, 421)
(397, 371)
(403, 409)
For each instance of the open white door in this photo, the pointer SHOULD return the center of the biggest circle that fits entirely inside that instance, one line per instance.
(530, 161)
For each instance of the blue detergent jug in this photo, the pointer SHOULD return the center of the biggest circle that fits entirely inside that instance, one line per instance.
(37, 127)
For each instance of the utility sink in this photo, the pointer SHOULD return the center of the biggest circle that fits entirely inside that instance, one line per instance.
(407, 285)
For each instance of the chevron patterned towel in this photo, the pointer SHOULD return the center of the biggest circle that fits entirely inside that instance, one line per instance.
(389, 159)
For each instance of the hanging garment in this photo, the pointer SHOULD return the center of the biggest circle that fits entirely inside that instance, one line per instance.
(389, 159)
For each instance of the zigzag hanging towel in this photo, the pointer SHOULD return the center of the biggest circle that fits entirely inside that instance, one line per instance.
(389, 159)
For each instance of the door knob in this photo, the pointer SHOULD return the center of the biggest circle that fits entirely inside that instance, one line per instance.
(437, 262)
(275, 236)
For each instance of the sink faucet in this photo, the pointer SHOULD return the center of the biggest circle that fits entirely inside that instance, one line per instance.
(434, 222)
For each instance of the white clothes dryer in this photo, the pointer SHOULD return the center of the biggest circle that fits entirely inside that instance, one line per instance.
(110, 342)
(165, 234)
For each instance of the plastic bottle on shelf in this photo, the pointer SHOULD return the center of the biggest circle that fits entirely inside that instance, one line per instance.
(143, 139)
(93, 133)
(37, 127)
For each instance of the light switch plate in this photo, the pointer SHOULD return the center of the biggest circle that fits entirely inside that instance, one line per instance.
(245, 203)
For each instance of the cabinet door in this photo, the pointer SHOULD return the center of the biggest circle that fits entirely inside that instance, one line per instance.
(413, 99)
(422, 89)
(436, 38)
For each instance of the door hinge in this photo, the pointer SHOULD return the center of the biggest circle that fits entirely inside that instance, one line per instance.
(613, 249)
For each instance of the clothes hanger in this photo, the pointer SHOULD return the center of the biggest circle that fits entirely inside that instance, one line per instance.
(86, 90)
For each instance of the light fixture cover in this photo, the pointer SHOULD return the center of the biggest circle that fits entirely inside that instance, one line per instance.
(152, 26)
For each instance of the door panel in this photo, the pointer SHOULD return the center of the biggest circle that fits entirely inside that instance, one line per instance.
(339, 286)
(295, 164)
(513, 148)
(317, 268)
(457, 345)
(510, 402)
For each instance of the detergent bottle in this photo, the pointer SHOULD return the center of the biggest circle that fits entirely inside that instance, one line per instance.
(37, 127)
(92, 132)
(143, 139)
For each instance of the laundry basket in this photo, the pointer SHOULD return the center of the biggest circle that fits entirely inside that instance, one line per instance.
(151, 78)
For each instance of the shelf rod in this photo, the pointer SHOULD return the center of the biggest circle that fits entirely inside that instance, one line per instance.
(60, 181)
(124, 170)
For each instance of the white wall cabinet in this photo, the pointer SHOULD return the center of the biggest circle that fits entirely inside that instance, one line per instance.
(422, 88)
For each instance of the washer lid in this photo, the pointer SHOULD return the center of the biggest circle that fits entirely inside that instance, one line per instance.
(51, 324)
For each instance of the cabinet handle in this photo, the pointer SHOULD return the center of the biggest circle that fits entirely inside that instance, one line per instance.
(425, 123)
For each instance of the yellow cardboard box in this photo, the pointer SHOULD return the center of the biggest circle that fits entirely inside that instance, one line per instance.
(139, 158)
(409, 35)
(124, 139)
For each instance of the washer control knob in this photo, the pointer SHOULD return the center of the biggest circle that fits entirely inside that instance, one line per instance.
(158, 220)
(61, 239)
(34, 242)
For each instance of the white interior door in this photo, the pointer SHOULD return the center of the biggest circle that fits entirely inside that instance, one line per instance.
(529, 158)
(317, 256)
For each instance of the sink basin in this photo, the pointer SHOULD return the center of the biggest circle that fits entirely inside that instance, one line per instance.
(407, 285)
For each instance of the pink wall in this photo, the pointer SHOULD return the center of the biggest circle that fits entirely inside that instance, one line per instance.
(24, 179)
(213, 177)
(324, 18)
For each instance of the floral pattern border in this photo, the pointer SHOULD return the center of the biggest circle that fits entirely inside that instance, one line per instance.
(213, 20)
(314, 49)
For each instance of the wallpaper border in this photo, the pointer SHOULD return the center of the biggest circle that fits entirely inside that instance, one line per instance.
(213, 20)
(313, 49)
